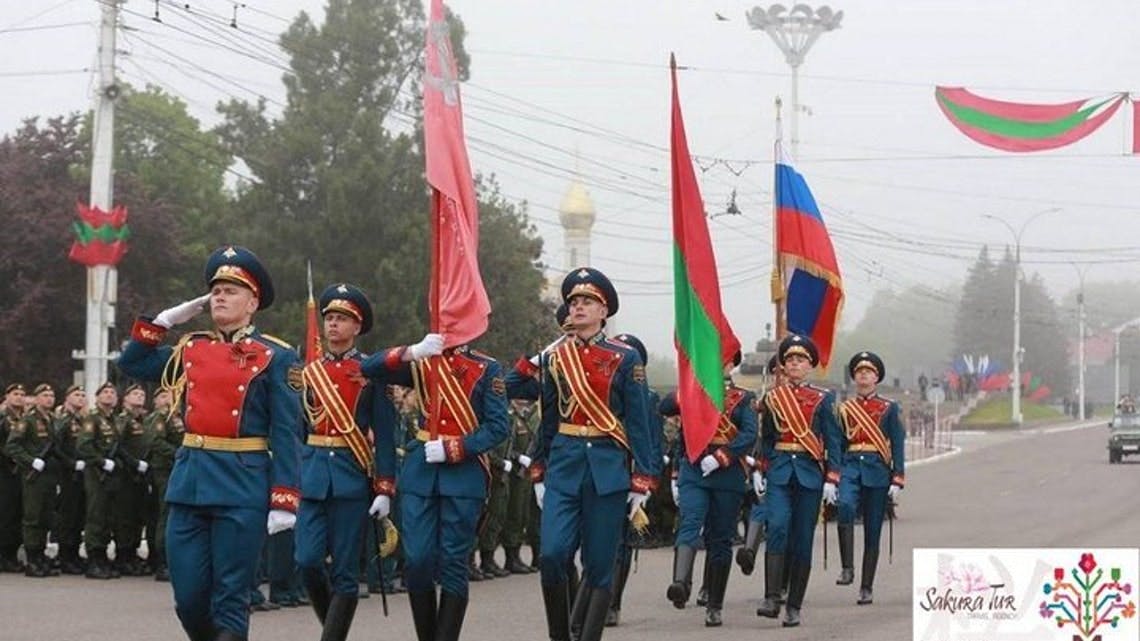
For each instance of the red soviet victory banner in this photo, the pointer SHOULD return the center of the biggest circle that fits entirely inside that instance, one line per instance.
(458, 301)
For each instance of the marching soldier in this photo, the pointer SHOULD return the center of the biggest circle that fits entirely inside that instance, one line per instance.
(11, 485)
(443, 482)
(30, 445)
(517, 526)
(344, 478)
(758, 515)
(128, 512)
(164, 434)
(709, 494)
(801, 445)
(625, 544)
(69, 526)
(495, 510)
(97, 444)
(873, 468)
(594, 422)
(241, 392)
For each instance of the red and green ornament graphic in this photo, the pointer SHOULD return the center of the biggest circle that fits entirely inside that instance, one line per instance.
(100, 236)
(1019, 127)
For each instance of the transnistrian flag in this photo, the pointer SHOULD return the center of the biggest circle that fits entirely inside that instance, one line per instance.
(458, 303)
(1012, 126)
(807, 271)
(704, 339)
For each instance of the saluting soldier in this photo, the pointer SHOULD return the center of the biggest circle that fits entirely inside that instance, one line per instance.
(873, 468)
(101, 481)
(69, 524)
(164, 433)
(801, 445)
(30, 445)
(344, 478)
(443, 481)
(11, 485)
(594, 423)
(709, 495)
(241, 390)
(128, 512)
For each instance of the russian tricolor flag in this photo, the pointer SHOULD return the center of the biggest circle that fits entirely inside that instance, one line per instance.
(807, 270)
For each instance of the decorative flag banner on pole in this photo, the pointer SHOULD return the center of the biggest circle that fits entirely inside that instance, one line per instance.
(313, 351)
(1018, 127)
(100, 237)
(812, 289)
(458, 301)
(703, 338)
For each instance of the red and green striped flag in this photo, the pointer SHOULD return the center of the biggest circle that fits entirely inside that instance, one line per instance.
(704, 340)
(1012, 126)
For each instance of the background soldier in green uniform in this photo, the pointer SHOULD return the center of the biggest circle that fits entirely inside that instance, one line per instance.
(11, 508)
(163, 434)
(30, 445)
(520, 492)
(97, 445)
(127, 511)
(69, 522)
(495, 511)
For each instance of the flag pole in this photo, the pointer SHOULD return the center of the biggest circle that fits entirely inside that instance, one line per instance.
(435, 314)
(779, 295)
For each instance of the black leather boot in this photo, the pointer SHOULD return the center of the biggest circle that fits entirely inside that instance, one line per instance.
(621, 575)
(423, 613)
(473, 571)
(340, 610)
(797, 587)
(556, 599)
(37, 564)
(703, 593)
(320, 593)
(870, 564)
(682, 584)
(97, 566)
(846, 554)
(718, 583)
(489, 567)
(578, 609)
(598, 606)
(515, 563)
(449, 621)
(773, 583)
(746, 554)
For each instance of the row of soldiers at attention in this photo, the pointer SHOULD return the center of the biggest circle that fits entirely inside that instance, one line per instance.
(90, 477)
(273, 444)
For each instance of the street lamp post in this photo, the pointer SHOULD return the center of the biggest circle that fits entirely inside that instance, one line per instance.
(1081, 342)
(1015, 392)
(794, 32)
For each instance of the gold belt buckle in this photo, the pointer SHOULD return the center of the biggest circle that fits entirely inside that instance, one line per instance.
(583, 431)
(199, 440)
(328, 441)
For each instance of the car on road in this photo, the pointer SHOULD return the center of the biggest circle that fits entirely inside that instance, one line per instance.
(1124, 439)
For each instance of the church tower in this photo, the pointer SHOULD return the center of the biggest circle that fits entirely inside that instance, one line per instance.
(577, 215)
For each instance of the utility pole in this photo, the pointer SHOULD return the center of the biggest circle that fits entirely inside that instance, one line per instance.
(1080, 343)
(794, 32)
(102, 280)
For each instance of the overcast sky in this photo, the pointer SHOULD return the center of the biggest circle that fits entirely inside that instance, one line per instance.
(565, 87)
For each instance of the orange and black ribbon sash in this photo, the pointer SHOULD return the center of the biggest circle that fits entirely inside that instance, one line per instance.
(856, 419)
(316, 378)
(788, 412)
(569, 363)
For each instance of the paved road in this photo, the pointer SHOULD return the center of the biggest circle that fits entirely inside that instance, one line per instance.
(1038, 488)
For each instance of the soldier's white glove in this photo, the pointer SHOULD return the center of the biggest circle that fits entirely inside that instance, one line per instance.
(539, 493)
(108, 465)
(676, 492)
(280, 520)
(143, 467)
(709, 464)
(80, 465)
(524, 461)
(38, 464)
(434, 452)
(665, 459)
(507, 467)
(636, 501)
(830, 493)
(893, 491)
(182, 312)
(381, 506)
(431, 345)
(759, 483)
(750, 460)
